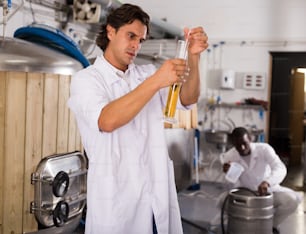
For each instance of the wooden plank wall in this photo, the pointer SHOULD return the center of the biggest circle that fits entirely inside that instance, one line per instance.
(34, 123)
(186, 119)
(2, 112)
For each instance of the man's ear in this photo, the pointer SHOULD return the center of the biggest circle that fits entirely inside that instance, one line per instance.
(110, 31)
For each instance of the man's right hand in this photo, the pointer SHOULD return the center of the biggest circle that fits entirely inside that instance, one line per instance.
(172, 71)
(226, 167)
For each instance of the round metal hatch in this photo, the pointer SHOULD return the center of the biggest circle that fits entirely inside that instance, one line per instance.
(59, 188)
(20, 55)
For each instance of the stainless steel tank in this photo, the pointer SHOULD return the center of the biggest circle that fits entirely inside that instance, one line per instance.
(180, 143)
(20, 55)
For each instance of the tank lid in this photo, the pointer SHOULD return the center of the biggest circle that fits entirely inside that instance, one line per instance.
(20, 55)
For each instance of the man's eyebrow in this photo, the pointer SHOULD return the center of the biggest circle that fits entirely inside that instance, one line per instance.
(134, 34)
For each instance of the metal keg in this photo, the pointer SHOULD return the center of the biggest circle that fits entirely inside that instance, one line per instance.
(249, 213)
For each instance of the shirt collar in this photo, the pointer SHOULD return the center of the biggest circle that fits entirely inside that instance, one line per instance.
(253, 146)
(104, 67)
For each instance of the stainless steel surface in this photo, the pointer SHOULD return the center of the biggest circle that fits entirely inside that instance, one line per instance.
(200, 208)
(180, 144)
(69, 228)
(45, 200)
(217, 136)
(248, 213)
(20, 55)
(255, 134)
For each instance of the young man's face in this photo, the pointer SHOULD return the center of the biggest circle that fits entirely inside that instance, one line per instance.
(124, 44)
(242, 145)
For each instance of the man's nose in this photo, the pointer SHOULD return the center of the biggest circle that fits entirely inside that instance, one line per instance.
(136, 44)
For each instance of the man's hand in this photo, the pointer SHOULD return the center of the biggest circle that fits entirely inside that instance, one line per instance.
(198, 40)
(263, 188)
(172, 71)
(226, 167)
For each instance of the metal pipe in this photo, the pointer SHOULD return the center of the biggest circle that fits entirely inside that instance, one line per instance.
(170, 29)
(9, 16)
(157, 25)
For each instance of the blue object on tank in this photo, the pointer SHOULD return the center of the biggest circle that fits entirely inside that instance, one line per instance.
(52, 38)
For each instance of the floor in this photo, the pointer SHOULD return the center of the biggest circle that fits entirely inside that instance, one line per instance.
(296, 223)
(205, 218)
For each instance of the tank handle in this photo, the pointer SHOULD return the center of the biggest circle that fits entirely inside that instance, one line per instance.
(241, 202)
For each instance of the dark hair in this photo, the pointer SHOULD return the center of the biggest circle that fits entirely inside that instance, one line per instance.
(239, 132)
(125, 14)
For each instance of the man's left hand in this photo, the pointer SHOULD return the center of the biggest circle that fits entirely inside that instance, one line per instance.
(197, 38)
(263, 188)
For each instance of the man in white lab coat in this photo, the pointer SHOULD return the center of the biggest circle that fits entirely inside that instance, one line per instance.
(118, 107)
(263, 172)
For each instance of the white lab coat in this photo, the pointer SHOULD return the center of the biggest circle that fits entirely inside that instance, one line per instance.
(130, 175)
(264, 165)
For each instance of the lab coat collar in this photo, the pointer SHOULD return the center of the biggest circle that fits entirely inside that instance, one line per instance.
(252, 146)
(253, 157)
(104, 67)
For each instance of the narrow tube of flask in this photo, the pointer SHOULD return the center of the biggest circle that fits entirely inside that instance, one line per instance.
(174, 90)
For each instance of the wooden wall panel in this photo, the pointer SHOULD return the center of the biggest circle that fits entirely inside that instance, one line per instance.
(33, 146)
(186, 119)
(14, 152)
(50, 115)
(2, 122)
(72, 133)
(194, 117)
(63, 114)
(78, 142)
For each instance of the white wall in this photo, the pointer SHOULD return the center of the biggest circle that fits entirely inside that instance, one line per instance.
(249, 29)
(234, 19)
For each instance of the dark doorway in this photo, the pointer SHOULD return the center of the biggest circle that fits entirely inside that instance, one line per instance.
(286, 119)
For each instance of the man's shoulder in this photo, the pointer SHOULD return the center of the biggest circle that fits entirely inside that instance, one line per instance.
(85, 73)
(261, 146)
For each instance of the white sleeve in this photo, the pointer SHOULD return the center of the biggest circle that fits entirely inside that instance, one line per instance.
(87, 99)
(278, 169)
